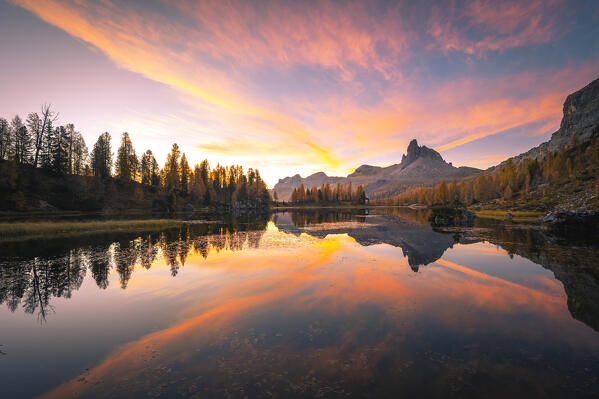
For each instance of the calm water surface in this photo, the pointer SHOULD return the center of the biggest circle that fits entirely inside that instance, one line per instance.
(320, 304)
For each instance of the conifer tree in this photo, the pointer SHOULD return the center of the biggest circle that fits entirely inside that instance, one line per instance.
(170, 173)
(127, 163)
(5, 139)
(79, 155)
(185, 175)
(45, 150)
(58, 143)
(146, 167)
(101, 158)
(22, 143)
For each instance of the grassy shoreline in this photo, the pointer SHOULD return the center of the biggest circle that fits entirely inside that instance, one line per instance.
(518, 216)
(11, 231)
(26, 230)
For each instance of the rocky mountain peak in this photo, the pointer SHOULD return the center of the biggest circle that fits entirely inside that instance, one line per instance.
(420, 165)
(580, 118)
(415, 151)
(581, 114)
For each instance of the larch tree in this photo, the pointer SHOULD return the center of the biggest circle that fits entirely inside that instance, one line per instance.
(171, 170)
(43, 127)
(147, 160)
(79, 154)
(126, 160)
(155, 172)
(185, 175)
(58, 144)
(45, 150)
(198, 187)
(101, 157)
(21, 150)
(5, 139)
(70, 136)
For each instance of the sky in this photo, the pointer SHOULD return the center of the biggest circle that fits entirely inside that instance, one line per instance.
(301, 86)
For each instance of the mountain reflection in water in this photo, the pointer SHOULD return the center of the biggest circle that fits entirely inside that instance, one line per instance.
(304, 304)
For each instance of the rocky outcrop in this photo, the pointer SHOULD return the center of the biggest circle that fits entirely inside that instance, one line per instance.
(574, 223)
(415, 152)
(580, 118)
(420, 165)
(450, 217)
(581, 115)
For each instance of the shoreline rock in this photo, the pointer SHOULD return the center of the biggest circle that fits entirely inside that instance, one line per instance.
(579, 221)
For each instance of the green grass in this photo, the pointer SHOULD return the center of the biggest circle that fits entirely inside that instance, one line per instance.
(328, 206)
(18, 230)
(518, 215)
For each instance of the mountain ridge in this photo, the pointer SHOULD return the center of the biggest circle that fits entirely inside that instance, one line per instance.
(420, 165)
(580, 118)
(424, 166)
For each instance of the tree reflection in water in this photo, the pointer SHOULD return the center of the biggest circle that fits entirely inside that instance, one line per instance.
(54, 270)
(32, 283)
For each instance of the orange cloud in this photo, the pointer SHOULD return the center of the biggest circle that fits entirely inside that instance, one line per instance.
(139, 43)
(286, 34)
(210, 53)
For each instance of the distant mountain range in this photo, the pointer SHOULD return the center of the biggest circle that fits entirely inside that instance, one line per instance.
(424, 166)
(420, 165)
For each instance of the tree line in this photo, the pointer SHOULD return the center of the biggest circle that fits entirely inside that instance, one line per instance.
(31, 283)
(574, 165)
(327, 194)
(37, 142)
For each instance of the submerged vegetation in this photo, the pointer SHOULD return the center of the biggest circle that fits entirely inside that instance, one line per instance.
(47, 167)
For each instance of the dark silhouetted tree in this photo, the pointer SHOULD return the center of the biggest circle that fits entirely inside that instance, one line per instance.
(101, 157)
(5, 139)
(127, 163)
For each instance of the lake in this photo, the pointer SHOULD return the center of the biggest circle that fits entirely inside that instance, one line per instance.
(306, 304)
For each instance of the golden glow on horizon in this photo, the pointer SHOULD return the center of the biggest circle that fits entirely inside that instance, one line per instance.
(211, 60)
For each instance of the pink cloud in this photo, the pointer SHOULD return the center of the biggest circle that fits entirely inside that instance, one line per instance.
(498, 26)
(209, 52)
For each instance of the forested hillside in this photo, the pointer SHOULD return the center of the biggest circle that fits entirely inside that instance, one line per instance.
(46, 167)
(560, 173)
(328, 194)
(567, 178)
(420, 165)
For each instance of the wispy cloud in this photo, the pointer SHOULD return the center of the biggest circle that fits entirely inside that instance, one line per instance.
(326, 86)
(482, 26)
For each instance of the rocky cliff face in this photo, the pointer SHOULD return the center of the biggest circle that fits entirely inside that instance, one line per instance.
(580, 117)
(420, 165)
(415, 152)
(423, 165)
